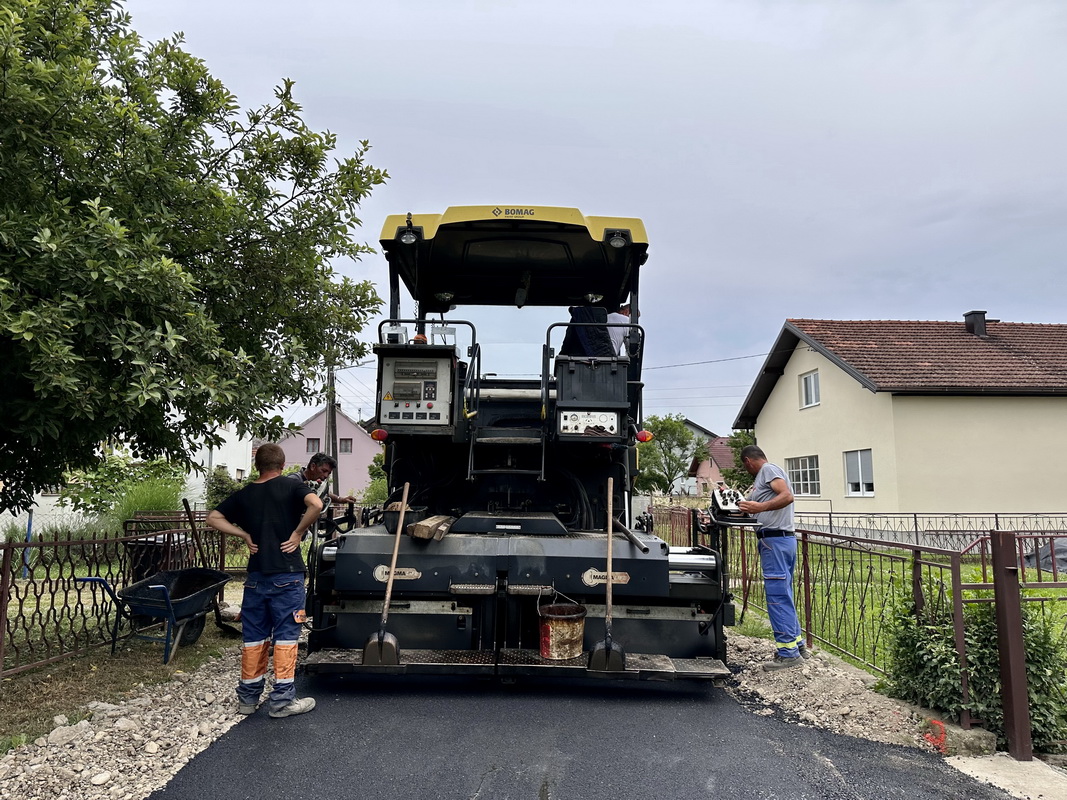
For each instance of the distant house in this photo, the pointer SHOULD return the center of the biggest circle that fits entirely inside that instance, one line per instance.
(707, 471)
(235, 455)
(355, 449)
(691, 484)
(907, 416)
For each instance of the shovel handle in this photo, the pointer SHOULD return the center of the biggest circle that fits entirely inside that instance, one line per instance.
(196, 533)
(611, 525)
(392, 564)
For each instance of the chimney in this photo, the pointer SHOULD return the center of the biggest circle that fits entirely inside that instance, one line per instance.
(975, 321)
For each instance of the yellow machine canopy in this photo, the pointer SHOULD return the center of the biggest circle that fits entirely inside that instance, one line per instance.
(514, 256)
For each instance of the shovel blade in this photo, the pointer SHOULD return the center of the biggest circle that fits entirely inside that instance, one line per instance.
(607, 657)
(381, 651)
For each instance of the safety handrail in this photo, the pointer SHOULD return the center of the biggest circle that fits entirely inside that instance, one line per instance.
(393, 323)
(634, 358)
(472, 385)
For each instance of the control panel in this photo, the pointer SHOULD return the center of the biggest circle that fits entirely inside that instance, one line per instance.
(416, 391)
(589, 423)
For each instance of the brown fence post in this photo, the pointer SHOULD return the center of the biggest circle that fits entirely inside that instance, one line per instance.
(960, 637)
(917, 595)
(1013, 689)
(806, 573)
(5, 591)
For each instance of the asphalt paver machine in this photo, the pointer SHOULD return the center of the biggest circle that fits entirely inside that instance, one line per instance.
(516, 488)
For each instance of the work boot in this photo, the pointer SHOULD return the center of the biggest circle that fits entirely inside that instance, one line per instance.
(300, 705)
(782, 662)
(804, 651)
(247, 708)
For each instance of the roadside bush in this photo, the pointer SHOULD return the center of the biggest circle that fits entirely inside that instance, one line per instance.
(97, 491)
(13, 532)
(376, 493)
(150, 494)
(219, 485)
(923, 668)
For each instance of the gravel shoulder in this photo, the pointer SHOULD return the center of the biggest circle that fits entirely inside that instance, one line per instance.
(829, 693)
(127, 750)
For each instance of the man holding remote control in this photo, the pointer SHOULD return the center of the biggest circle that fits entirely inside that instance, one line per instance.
(771, 503)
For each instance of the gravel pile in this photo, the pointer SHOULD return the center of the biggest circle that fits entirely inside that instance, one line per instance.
(824, 692)
(128, 750)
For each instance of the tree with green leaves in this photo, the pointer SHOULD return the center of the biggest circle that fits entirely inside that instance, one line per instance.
(737, 476)
(377, 491)
(665, 461)
(165, 258)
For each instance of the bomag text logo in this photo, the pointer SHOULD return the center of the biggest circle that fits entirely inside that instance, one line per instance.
(513, 212)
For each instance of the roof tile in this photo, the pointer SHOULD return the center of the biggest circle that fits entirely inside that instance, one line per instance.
(911, 355)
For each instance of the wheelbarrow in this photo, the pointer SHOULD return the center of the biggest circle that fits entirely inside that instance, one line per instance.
(180, 598)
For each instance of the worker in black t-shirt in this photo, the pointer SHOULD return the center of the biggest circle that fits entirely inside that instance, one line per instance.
(270, 515)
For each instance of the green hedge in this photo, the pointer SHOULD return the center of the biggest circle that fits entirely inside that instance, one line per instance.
(923, 668)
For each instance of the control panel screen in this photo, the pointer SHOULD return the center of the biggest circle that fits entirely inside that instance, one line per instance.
(416, 392)
(415, 369)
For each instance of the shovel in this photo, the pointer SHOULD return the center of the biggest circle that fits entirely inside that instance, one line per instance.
(608, 656)
(381, 649)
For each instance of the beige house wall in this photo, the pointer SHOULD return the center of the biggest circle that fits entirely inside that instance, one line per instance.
(930, 454)
(848, 417)
(982, 454)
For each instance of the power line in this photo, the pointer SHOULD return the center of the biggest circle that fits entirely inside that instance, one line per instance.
(364, 396)
(667, 404)
(697, 388)
(712, 361)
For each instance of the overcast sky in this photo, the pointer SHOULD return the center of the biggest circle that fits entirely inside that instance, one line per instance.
(837, 160)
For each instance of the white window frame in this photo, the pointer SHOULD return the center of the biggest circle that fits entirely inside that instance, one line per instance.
(317, 446)
(864, 472)
(342, 444)
(803, 474)
(810, 394)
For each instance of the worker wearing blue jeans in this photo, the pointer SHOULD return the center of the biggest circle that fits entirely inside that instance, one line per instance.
(270, 515)
(272, 610)
(771, 502)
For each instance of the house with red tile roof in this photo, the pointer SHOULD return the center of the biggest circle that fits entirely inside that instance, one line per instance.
(707, 471)
(916, 416)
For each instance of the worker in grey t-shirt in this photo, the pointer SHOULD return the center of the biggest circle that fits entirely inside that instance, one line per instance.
(771, 502)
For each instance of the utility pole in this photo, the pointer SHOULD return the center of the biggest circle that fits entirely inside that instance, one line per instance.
(331, 425)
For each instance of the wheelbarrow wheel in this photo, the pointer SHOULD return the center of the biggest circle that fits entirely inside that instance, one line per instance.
(191, 631)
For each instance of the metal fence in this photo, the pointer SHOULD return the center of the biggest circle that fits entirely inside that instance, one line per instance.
(847, 583)
(673, 525)
(947, 531)
(47, 614)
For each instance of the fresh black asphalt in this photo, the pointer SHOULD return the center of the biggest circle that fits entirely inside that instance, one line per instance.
(391, 739)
